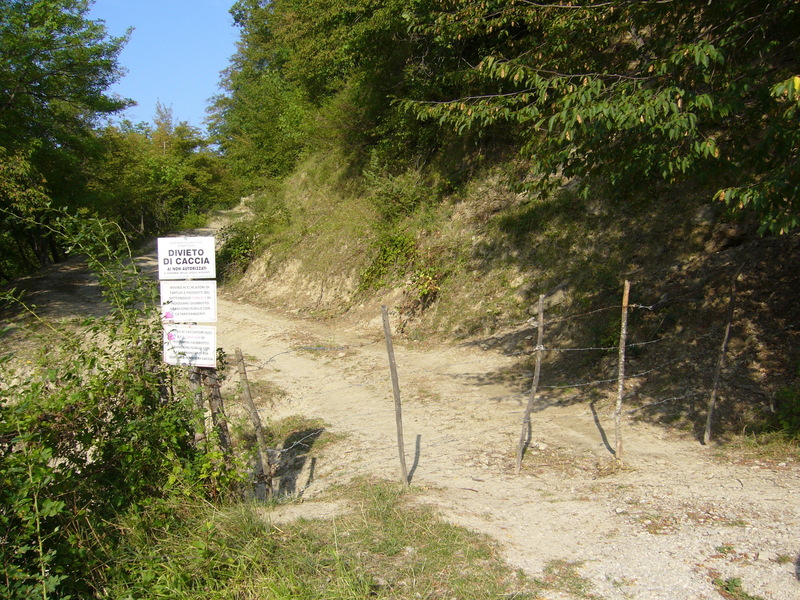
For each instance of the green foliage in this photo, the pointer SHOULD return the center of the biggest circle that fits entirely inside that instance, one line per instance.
(21, 193)
(395, 251)
(396, 196)
(239, 243)
(623, 94)
(774, 194)
(629, 91)
(91, 429)
(314, 73)
(732, 589)
(260, 124)
(55, 68)
(788, 411)
(398, 257)
(152, 179)
(243, 240)
(387, 549)
(426, 283)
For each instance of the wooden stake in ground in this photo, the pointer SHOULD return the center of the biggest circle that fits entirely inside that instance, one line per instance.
(396, 387)
(196, 384)
(623, 336)
(263, 455)
(218, 417)
(526, 419)
(721, 360)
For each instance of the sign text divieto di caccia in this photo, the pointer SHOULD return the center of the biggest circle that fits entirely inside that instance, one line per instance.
(186, 258)
(185, 264)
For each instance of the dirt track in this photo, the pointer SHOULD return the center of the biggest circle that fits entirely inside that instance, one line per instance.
(663, 527)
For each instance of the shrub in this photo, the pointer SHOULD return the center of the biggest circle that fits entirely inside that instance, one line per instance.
(91, 430)
(787, 411)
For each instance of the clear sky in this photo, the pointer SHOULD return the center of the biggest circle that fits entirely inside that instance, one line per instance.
(175, 54)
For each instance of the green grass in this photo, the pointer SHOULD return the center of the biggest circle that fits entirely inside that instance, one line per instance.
(387, 546)
(731, 589)
(770, 447)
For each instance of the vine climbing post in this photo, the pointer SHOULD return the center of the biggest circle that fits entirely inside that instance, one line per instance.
(623, 336)
(526, 419)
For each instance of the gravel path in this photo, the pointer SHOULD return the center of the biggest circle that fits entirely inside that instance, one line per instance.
(675, 517)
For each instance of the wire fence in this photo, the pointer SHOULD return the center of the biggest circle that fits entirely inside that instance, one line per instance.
(633, 382)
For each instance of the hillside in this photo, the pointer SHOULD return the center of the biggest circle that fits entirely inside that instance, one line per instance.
(470, 268)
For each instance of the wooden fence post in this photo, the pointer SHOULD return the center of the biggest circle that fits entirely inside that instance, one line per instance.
(396, 388)
(196, 384)
(218, 417)
(623, 336)
(721, 359)
(263, 454)
(526, 419)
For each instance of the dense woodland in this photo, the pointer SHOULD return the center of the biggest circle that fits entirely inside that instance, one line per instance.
(415, 99)
(616, 94)
(608, 92)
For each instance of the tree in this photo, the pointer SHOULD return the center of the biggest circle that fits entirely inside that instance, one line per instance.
(150, 179)
(628, 91)
(55, 68)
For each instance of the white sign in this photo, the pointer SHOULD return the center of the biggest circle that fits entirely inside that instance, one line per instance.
(186, 258)
(190, 346)
(189, 301)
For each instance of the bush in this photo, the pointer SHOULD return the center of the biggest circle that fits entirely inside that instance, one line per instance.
(397, 196)
(243, 241)
(787, 411)
(88, 432)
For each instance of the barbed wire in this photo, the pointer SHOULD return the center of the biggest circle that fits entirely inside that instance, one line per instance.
(532, 321)
(664, 401)
(439, 368)
(300, 442)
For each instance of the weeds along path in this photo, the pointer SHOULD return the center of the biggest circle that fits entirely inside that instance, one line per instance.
(665, 526)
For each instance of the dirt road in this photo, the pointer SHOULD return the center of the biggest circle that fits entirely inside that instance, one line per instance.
(664, 526)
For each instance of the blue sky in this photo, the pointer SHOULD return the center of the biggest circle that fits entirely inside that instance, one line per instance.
(175, 54)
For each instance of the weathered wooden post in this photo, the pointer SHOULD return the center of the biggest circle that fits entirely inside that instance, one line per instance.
(263, 455)
(623, 337)
(526, 419)
(721, 359)
(196, 384)
(218, 418)
(396, 388)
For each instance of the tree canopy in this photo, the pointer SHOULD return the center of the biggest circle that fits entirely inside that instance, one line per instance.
(55, 68)
(635, 90)
(57, 149)
(613, 91)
